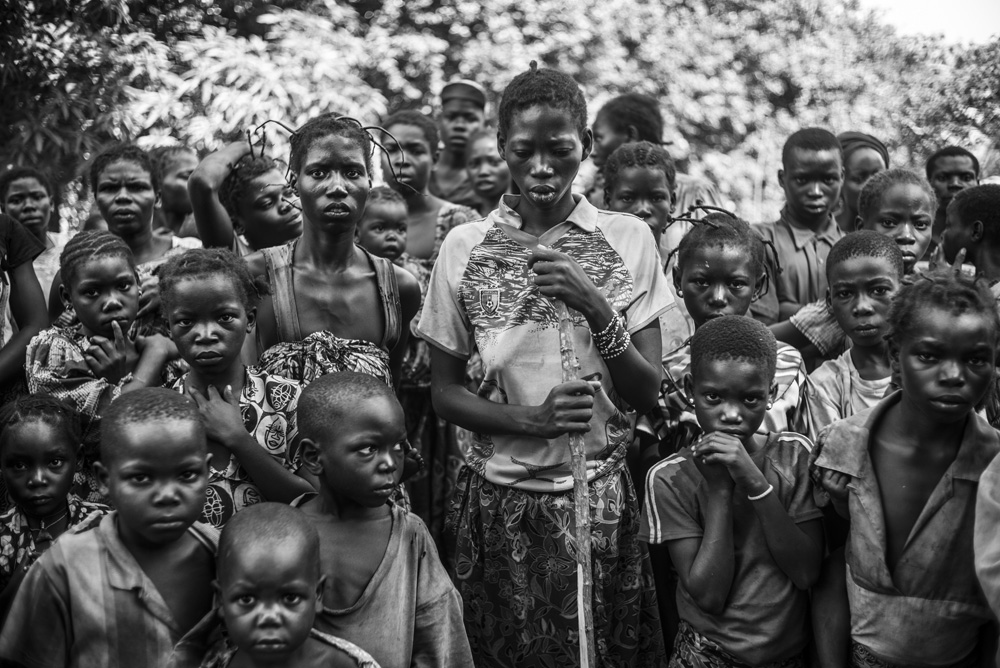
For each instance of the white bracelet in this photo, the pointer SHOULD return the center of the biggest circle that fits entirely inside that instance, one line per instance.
(770, 488)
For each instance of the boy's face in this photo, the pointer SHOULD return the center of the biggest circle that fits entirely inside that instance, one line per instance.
(860, 293)
(646, 193)
(156, 478)
(489, 173)
(266, 214)
(957, 235)
(269, 600)
(730, 396)
(28, 203)
(362, 460)
(173, 186)
(459, 119)
(606, 140)
(38, 465)
(716, 281)
(407, 162)
(103, 290)
(543, 150)
(905, 213)
(811, 181)
(382, 230)
(951, 174)
(125, 197)
(946, 362)
(208, 322)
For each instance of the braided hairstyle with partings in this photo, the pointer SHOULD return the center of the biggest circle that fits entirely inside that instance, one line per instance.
(205, 262)
(237, 182)
(122, 153)
(637, 154)
(91, 245)
(15, 173)
(422, 122)
(735, 338)
(327, 125)
(870, 197)
(642, 112)
(42, 408)
(541, 86)
(723, 231)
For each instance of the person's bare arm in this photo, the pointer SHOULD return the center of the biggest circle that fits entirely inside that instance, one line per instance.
(214, 224)
(27, 306)
(409, 299)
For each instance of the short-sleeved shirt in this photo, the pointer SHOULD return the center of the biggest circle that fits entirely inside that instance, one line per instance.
(766, 615)
(835, 391)
(482, 295)
(267, 405)
(410, 613)
(930, 608)
(802, 254)
(86, 603)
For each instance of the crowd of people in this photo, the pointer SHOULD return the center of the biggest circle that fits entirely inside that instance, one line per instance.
(307, 412)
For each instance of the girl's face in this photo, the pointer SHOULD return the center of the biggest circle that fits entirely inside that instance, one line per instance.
(946, 362)
(606, 140)
(860, 166)
(103, 290)
(38, 462)
(716, 281)
(208, 322)
(266, 215)
(905, 213)
(646, 193)
(333, 183)
(126, 198)
(407, 162)
(28, 203)
(489, 173)
(173, 186)
(543, 150)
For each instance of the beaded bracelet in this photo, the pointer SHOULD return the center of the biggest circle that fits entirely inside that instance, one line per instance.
(609, 330)
(611, 343)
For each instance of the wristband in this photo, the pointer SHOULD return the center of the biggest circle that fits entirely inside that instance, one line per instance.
(770, 488)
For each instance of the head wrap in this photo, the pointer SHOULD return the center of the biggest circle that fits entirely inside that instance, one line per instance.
(852, 141)
(463, 89)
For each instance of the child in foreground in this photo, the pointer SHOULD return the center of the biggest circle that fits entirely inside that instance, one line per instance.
(906, 473)
(736, 511)
(270, 589)
(385, 589)
(124, 592)
(864, 270)
(39, 441)
(210, 302)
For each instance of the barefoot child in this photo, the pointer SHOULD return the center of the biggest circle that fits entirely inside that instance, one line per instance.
(864, 270)
(125, 592)
(270, 589)
(385, 590)
(906, 472)
(210, 301)
(736, 511)
(487, 171)
(494, 286)
(241, 202)
(334, 306)
(39, 441)
(92, 363)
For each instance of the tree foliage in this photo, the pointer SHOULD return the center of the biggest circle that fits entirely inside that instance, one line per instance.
(734, 77)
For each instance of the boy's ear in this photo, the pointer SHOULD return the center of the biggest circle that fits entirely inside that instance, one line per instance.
(310, 456)
(772, 395)
(859, 223)
(977, 231)
(502, 146)
(829, 300)
(588, 143)
(251, 319)
(687, 382)
(633, 134)
(319, 594)
(781, 178)
(760, 287)
(675, 271)
(103, 478)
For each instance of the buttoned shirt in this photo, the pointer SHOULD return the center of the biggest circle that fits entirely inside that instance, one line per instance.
(928, 610)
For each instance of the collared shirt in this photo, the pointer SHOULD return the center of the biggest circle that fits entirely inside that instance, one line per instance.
(929, 609)
(802, 255)
(482, 293)
(86, 603)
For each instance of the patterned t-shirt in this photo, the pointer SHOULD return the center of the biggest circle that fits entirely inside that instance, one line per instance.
(268, 404)
(482, 295)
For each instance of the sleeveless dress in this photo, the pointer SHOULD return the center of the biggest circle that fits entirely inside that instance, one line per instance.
(305, 359)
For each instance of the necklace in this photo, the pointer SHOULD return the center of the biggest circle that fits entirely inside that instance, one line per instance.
(42, 534)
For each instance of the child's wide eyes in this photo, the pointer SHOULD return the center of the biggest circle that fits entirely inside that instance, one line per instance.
(292, 599)
(56, 463)
(246, 600)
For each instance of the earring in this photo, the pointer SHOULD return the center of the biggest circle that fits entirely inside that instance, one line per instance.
(680, 293)
(769, 404)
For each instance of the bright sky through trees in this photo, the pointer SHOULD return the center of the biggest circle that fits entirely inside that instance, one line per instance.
(958, 20)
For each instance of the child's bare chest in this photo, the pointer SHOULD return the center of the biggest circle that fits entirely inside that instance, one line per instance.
(350, 558)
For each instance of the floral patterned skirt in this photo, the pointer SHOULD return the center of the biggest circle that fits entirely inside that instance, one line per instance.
(693, 650)
(516, 572)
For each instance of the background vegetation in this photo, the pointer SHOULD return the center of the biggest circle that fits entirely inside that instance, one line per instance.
(734, 77)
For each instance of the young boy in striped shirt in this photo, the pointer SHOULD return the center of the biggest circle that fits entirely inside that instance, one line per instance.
(126, 591)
